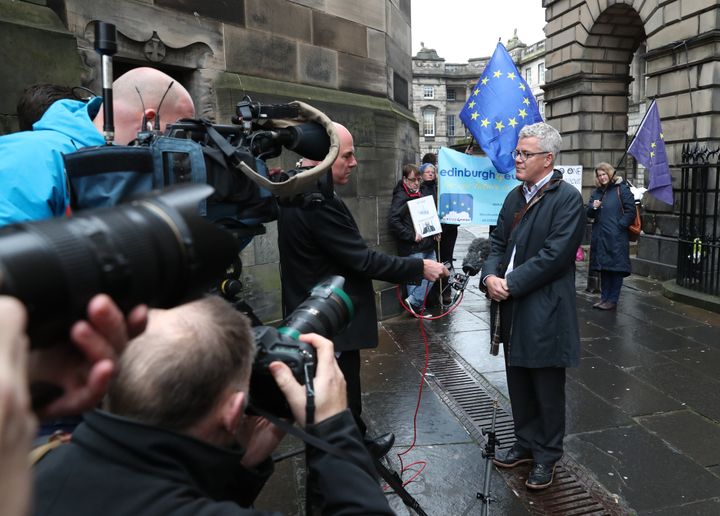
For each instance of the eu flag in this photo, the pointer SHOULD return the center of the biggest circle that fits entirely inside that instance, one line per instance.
(648, 148)
(498, 107)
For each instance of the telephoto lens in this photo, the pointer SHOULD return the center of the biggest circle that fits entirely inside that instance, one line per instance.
(327, 311)
(156, 250)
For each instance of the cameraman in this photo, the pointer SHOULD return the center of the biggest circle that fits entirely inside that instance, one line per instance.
(33, 184)
(176, 439)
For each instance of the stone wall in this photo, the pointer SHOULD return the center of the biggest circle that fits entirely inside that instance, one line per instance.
(350, 59)
(590, 46)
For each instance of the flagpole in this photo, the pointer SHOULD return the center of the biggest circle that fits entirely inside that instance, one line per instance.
(647, 111)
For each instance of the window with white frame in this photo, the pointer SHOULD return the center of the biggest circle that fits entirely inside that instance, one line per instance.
(528, 75)
(429, 122)
(541, 73)
(428, 92)
(451, 125)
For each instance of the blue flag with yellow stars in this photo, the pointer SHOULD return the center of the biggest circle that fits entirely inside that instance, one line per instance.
(498, 107)
(648, 148)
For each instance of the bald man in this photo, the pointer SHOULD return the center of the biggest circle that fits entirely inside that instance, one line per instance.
(322, 242)
(33, 184)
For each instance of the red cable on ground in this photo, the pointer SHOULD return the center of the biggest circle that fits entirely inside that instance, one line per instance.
(420, 318)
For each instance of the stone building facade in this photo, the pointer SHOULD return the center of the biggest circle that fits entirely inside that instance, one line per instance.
(594, 49)
(349, 59)
(440, 89)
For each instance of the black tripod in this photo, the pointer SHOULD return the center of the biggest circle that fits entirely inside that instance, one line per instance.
(489, 454)
(394, 481)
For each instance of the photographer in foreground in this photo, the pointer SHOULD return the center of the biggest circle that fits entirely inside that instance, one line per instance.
(176, 439)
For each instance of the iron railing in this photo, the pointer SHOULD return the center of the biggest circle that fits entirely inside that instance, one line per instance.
(698, 263)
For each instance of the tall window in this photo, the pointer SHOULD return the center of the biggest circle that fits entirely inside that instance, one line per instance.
(450, 94)
(428, 92)
(451, 125)
(541, 73)
(528, 75)
(429, 123)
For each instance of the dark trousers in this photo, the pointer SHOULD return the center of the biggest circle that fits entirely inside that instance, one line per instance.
(447, 242)
(349, 362)
(610, 285)
(537, 396)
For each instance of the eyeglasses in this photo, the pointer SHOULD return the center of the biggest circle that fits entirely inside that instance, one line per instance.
(415, 180)
(524, 156)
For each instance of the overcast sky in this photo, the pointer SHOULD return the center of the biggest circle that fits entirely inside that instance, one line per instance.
(461, 29)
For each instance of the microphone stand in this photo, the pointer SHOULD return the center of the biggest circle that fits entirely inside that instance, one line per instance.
(489, 454)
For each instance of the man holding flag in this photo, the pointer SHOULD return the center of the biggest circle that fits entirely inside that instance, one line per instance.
(648, 148)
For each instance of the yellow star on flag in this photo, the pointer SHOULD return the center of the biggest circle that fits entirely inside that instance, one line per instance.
(662, 136)
(497, 74)
(652, 154)
(652, 145)
(471, 104)
(521, 86)
(511, 76)
(499, 126)
(522, 113)
(512, 123)
(526, 101)
(485, 81)
(474, 115)
(476, 91)
(485, 122)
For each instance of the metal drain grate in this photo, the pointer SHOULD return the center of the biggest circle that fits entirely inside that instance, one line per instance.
(467, 394)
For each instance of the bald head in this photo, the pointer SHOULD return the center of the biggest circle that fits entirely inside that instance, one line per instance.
(151, 85)
(345, 161)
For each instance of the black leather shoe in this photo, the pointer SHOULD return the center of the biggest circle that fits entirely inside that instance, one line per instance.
(512, 457)
(541, 476)
(379, 446)
(597, 305)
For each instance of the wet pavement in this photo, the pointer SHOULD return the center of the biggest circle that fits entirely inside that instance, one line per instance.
(643, 411)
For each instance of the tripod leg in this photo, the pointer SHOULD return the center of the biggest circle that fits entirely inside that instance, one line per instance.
(393, 480)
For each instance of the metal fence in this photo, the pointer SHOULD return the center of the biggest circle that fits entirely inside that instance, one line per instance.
(698, 263)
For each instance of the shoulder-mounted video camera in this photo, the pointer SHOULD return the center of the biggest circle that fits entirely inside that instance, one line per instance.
(230, 158)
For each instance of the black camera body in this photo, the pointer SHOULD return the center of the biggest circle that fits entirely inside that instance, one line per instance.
(272, 346)
(327, 311)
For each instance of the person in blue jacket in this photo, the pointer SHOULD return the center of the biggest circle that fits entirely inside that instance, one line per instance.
(33, 183)
(612, 209)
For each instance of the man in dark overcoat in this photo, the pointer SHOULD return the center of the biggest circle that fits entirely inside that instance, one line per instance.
(326, 241)
(530, 277)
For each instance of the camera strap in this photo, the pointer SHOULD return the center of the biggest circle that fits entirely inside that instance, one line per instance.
(310, 439)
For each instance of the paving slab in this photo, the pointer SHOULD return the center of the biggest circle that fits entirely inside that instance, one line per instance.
(685, 385)
(623, 353)
(691, 434)
(586, 411)
(641, 469)
(703, 359)
(621, 389)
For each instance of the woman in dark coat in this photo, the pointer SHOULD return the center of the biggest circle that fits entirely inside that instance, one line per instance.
(409, 242)
(612, 208)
